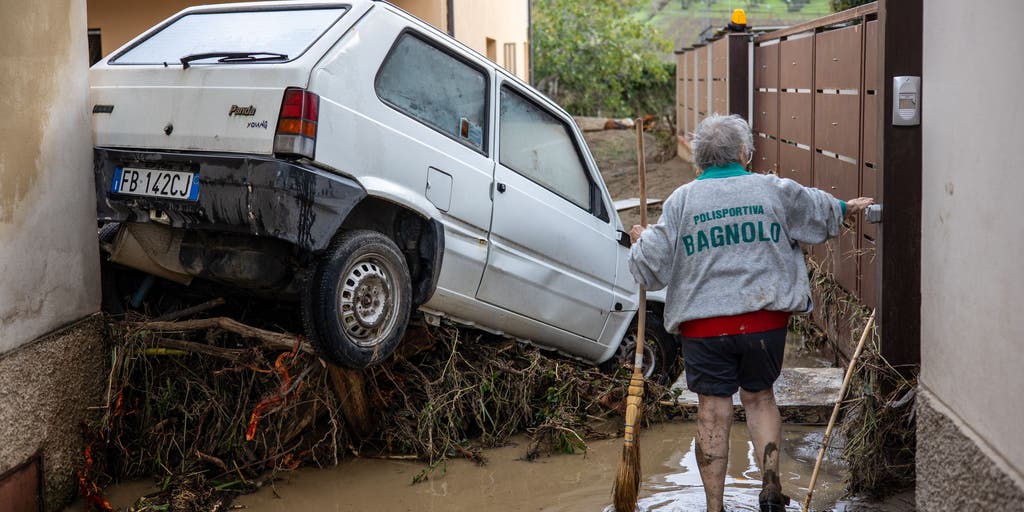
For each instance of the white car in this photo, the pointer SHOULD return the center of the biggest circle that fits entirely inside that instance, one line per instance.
(352, 157)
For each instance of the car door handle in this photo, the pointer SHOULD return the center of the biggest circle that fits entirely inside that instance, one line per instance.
(500, 187)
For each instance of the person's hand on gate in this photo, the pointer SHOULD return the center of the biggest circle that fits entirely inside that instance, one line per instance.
(854, 206)
(634, 234)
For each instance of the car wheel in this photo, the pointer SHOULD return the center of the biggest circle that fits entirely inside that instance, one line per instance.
(358, 307)
(661, 351)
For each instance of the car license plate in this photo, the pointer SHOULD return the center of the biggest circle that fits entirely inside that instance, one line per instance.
(156, 183)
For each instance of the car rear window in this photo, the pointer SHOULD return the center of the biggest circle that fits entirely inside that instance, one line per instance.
(285, 31)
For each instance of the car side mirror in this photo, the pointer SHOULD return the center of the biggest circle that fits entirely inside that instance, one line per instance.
(624, 239)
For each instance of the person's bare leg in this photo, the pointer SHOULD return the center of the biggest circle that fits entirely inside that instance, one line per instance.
(714, 419)
(765, 425)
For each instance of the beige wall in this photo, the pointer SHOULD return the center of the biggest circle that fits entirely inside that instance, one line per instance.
(503, 21)
(972, 276)
(47, 389)
(434, 12)
(49, 263)
(120, 21)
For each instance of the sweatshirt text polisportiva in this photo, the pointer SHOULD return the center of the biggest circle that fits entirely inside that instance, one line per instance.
(729, 243)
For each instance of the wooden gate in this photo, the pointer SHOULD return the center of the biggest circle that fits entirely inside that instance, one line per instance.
(816, 93)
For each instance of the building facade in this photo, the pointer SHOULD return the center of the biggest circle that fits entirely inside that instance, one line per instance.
(498, 29)
(52, 363)
(970, 455)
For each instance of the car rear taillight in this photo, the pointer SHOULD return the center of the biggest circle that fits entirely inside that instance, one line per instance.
(296, 126)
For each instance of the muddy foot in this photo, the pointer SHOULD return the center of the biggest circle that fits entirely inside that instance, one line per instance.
(771, 499)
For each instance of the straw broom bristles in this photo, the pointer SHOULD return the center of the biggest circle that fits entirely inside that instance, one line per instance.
(627, 479)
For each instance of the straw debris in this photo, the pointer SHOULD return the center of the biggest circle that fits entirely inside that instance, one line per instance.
(212, 408)
(878, 422)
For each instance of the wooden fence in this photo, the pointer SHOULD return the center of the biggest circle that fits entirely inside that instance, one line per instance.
(712, 78)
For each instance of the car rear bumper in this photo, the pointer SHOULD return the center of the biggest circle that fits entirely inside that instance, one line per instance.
(255, 195)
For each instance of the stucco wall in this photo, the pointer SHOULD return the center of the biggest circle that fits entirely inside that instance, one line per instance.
(120, 21)
(47, 389)
(49, 261)
(956, 471)
(504, 21)
(972, 327)
(434, 12)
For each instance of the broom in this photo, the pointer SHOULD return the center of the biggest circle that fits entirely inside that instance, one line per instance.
(627, 480)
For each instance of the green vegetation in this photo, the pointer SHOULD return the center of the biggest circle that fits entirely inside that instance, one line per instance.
(614, 57)
(599, 58)
(842, 5)
(683, 20)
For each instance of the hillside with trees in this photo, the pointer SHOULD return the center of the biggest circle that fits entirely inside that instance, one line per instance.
(614, 57)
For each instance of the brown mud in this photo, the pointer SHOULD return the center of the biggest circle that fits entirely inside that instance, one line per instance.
(615, 154)
(558, 483)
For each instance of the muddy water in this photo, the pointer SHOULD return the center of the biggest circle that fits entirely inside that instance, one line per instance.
(558, 483)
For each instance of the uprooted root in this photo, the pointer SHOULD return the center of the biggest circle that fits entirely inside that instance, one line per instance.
(212, 408)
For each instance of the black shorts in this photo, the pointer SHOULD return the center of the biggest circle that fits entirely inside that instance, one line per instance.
(720, 365)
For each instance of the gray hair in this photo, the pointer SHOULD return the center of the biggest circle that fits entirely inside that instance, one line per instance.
(718, 140)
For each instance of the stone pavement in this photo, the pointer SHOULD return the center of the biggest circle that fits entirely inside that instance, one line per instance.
(903, 502)
(804, 395)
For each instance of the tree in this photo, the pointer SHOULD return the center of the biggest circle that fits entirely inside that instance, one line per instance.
(598, 57)
(842, 5)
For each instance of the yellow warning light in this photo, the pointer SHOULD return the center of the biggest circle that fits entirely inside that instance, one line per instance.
(739, 17)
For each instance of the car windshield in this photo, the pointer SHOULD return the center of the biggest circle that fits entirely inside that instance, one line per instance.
(281, 31)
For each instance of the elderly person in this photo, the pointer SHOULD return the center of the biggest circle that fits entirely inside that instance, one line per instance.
(727, 247)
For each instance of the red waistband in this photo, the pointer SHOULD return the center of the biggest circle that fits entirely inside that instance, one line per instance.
(746, 323)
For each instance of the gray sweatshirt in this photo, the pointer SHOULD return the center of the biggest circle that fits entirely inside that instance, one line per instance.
(728, 243)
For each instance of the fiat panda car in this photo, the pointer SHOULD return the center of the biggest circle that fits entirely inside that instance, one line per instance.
(352, 158)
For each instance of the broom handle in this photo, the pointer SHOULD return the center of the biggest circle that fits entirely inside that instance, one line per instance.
(835, 410)
(641, 323)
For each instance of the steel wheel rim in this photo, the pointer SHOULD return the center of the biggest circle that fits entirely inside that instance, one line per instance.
(627, 352)
(367, 300)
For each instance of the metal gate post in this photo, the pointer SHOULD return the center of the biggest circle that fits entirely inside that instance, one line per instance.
(900, 232)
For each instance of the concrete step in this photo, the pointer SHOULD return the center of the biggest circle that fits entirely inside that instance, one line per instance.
(804, 395)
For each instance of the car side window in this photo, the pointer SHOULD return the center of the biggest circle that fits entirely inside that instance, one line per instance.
(437, 89)
(540, 146)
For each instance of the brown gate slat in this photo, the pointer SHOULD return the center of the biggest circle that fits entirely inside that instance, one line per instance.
(837, 63)
(766, 70)
(796, 69)
(765, 155)
(795, 122)
(837, 123)
(795, 163)
(766, 113)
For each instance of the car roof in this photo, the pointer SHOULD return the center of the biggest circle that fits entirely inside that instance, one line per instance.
(217, 7)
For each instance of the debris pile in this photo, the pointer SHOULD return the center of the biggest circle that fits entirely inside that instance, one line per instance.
(212, 407)
(878, 423)
(880, 428)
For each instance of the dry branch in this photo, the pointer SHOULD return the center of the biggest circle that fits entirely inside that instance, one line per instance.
(230, 354)
(270, 340)
(198, 308)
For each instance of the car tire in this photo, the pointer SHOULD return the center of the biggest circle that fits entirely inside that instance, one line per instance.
(358, 299)
(659, 346)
